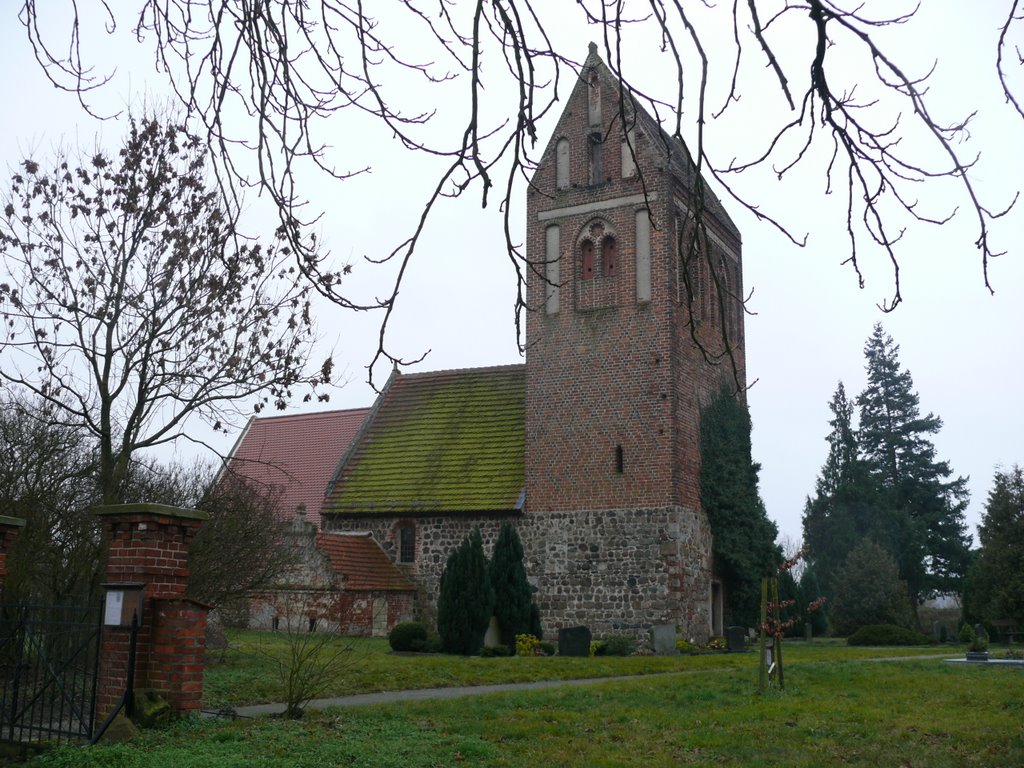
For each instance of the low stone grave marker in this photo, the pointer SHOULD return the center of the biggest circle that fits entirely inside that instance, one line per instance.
(574, 641)
(663, 639)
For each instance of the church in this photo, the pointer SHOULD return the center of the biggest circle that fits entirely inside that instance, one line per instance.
(591, 446)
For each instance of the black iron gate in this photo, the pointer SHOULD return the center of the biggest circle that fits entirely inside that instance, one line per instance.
(48, 663)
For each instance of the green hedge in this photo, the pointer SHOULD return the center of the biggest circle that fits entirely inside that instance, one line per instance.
(408, 636)
(886, 634)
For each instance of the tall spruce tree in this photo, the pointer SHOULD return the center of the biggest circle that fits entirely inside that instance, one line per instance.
(925, 503)
(512, 592)
(995, 585)
(847, 504)
(744, 536)
(465, 601)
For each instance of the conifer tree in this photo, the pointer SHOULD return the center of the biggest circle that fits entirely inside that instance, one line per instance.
(744, 536)
(465, 601)
(512, 592)
(926, 506)
(995, 586)
(846, 504)
(869, 591)
(883, 483)
(811, 590)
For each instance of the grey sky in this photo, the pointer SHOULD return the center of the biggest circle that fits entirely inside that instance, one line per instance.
(810, 320)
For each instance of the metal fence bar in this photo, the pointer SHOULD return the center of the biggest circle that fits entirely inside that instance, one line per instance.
(49, 658)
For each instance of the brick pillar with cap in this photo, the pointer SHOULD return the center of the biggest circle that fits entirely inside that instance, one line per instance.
(148, 544)
(10, 527)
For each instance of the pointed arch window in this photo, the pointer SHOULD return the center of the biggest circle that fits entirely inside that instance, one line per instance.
(587, 259)
(609, 257)
(562, 164)
(598, 250)
(595, 144)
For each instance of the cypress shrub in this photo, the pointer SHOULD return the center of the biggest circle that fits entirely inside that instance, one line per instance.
(513, 595)
(466, 600)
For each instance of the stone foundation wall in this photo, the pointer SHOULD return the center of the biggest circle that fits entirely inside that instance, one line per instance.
(616, 571)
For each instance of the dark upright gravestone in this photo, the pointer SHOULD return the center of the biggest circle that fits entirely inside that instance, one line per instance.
(574, 641)
(736, 639)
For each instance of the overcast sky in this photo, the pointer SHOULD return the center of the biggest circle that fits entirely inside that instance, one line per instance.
(810, 320)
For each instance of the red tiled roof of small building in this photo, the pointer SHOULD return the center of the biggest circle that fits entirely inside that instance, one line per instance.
(296, 454)
(439, 442)
(362, 562)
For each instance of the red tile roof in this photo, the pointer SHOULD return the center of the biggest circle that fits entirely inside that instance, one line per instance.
(365, 566)
(296, 454)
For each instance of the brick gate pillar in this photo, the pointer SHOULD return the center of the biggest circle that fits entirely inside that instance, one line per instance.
(10, 527)
(149, 543)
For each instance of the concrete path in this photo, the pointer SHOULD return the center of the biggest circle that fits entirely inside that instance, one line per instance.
(421, 694)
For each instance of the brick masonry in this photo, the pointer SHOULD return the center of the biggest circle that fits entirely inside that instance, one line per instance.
(314, 591)
(149, 543)
(615, 381)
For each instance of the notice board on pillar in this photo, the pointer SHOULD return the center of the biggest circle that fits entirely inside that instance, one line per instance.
(123, 601)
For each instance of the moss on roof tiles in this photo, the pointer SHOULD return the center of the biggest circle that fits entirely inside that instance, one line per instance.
(451, 441)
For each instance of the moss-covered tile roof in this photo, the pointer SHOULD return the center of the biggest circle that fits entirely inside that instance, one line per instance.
(447, 441)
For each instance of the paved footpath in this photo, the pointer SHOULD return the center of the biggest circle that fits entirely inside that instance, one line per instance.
(423, 694)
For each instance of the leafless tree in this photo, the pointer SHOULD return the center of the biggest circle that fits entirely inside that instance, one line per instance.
(290, 67)
(47, 478)
(130, 302)
(241, 547)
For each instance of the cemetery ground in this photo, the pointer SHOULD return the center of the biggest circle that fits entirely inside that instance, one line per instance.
(840, 706)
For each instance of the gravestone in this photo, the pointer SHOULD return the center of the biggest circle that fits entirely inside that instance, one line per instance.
(216, 639)
(493, 635)
(574, 641)
(735, 639)
(663, 639)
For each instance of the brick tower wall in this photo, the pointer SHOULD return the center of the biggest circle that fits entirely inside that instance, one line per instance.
(615, 380)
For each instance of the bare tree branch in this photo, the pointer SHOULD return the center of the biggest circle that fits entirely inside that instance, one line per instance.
(268, 81)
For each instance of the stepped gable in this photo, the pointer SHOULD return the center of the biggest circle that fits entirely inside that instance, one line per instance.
(439, 442)
(363, 564)
(295, 455)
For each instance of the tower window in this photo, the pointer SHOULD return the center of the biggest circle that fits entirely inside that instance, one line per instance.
(620, 465)
(609, 257)
(587, 260)
(594, 145)
(562, 164)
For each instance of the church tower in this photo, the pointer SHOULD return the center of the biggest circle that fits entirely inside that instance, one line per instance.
(635, 320)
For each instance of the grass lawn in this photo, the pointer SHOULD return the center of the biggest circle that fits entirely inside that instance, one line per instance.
(246, 673)
(833, 712)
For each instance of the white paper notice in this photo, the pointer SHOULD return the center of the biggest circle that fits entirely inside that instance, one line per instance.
(115, 603)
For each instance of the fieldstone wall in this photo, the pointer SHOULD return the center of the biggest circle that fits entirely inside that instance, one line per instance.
(616, 571)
